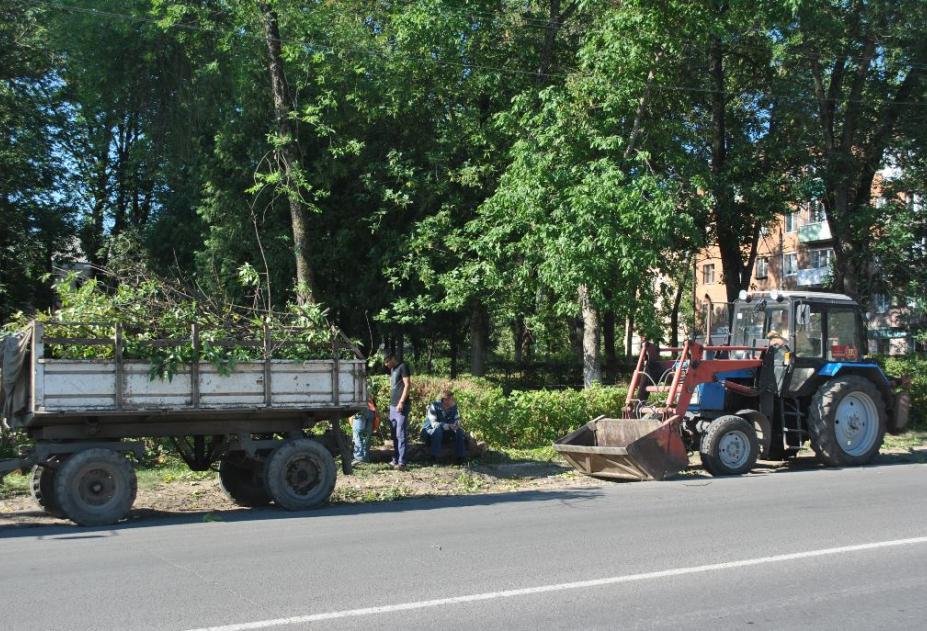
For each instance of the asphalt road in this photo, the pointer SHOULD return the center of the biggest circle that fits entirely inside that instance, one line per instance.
(822, 549)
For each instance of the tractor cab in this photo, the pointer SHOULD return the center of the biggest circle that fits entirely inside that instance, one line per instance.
(806, 337)
(818, 327)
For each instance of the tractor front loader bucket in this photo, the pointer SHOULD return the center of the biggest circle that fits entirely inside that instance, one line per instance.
(625, 449)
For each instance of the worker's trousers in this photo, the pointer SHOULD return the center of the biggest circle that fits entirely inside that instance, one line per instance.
(398, 422)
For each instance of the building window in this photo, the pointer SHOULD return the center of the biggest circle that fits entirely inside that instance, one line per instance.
(816, 212)
(791, 222)
(762, 267)
(790, 264)
(708, 274)
(821, 258)
(881, 303)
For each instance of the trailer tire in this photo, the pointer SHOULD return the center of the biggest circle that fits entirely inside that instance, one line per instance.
(729, 446)
(856, 402)
(241, 480)
(300, 474)
(95, 487)
(43, 490)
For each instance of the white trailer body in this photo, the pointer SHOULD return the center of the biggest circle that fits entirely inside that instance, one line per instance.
(250, 417)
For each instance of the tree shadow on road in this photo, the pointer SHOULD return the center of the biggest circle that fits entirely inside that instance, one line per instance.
(145, 517)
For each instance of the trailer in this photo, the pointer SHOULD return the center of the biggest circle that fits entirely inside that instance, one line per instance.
(259, 422)
(790, 370)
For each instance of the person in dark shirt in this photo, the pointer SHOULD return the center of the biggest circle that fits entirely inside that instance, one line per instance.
(442, 424)
(400, 385)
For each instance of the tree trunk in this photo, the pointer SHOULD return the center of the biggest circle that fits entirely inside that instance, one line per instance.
(400, 345)
(454, 344)
(93, 240)
(287, 156)
(576, 338)
(592, 364)
(629, 336)
(674, 314)
(608, 334)
(550, 39)
(479, 338)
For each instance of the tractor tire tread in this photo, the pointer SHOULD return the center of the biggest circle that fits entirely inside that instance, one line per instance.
(821, 414)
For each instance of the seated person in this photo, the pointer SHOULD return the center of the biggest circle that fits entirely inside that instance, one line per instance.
(775, 339)
(442, 424)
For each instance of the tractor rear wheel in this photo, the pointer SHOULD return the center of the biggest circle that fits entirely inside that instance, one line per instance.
(847, 421)
(242, 479)
(729, 446)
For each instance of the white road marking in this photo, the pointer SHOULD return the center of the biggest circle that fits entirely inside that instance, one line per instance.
(542, 589)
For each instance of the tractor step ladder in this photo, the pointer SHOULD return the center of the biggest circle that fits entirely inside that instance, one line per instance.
(790, 415)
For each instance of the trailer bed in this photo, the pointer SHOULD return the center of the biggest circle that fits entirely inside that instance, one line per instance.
(83, 387)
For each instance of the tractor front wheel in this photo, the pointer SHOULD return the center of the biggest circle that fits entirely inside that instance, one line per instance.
(847, 421)
(729, 446)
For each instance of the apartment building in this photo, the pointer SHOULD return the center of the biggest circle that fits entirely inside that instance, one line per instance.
(797, 252)
(794, 253)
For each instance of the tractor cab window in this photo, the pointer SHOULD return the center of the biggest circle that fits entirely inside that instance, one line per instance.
(749, 325)
(843, 343)
(715, 316)
(809, 327)
(777, 319)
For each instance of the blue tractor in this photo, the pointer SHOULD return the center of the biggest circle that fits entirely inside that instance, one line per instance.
(814, 384)
(784, 369)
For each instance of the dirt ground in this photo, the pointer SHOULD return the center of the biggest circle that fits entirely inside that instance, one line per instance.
(199, 495)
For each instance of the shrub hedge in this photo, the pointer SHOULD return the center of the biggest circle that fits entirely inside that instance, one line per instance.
(535, 418)
(914, 369)
(523, 419)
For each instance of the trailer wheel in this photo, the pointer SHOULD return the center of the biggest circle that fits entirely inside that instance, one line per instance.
(729, 446)
(43, 490)
(241, 480)
(95, 487)
(847, 421)
(300, 474)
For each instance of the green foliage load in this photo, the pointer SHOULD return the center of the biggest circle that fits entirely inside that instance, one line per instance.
(150, 310)
(523, 419)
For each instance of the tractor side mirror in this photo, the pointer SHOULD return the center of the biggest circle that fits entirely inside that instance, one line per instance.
(803, 315)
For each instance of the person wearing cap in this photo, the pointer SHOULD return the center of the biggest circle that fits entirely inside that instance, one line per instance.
(442, 424)
(775, 338)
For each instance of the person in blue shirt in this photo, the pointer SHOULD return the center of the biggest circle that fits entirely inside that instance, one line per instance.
(364, 423)
(442, 424)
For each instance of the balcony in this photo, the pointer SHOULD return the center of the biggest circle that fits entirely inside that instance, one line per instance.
(813, 277)
(812, 232)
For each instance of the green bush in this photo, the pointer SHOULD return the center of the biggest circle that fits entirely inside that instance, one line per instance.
(913, 369)
(524, 419)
